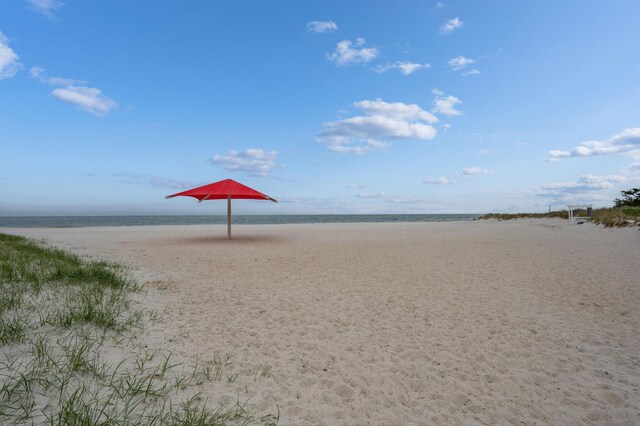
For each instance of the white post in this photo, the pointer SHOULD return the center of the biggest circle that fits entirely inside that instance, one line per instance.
(570, 215)
(229, 216)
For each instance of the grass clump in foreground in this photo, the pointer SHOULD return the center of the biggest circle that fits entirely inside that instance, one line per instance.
(63, 321)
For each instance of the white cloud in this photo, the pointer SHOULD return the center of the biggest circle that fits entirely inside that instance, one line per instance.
(320, 27)
(445, 104)
(254, 161)
(405, 68)
(475, 171)
(584, 189)
(626, 142)
(584, 183)
(355, 186)
(396, 110)
(86, 98)
(76, 92)
(459, 62)
(381, 121)
(371, 195)
(9, 60)
(40, 74)
(471, 72)
(439, 181)
(450, 26)
(45, 7)
(440, 5)
(345, 54)
(483, 151)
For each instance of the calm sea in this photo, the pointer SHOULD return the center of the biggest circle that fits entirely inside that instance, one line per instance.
(75, 221)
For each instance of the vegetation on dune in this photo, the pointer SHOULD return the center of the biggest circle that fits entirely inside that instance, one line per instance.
(630, 198)
(61, 318)
(626, 212)
(562, 214)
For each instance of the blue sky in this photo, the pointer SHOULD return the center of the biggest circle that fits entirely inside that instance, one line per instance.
(331, 107)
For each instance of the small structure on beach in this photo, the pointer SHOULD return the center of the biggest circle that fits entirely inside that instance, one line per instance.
(580, 219)
(227, 189)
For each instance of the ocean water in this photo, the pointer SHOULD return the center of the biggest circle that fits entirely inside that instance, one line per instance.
(77, 221)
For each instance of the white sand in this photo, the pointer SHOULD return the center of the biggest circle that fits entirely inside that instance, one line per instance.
(520, 322)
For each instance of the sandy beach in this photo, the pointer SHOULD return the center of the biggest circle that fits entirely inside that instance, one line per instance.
(519, 322)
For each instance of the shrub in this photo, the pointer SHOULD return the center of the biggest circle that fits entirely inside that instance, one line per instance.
(629, 198)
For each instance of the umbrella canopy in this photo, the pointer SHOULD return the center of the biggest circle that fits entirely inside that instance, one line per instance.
(225, 189)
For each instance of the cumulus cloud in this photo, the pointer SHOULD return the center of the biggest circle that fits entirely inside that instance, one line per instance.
(253, 161)
(475, 171)
(459, 62)
(347, 53)
(450, 26)
(439, 181)
(320, 27)
(76, 92)
(626, 142)
(381, 121)
(371, 195)
(9, 60)
(405, 68)
(471, 72)
(445, 104)
(396, 110)
(45, 7)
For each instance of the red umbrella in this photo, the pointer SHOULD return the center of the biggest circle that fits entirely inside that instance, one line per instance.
(225, 189)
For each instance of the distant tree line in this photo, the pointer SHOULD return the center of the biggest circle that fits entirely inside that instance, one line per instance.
(629, 198)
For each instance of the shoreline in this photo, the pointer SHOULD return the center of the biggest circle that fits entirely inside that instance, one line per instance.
(89, 221)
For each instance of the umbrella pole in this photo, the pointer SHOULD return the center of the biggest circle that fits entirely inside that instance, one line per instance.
(229, 216)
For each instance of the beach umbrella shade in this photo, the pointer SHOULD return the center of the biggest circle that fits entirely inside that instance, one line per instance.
(227, 189)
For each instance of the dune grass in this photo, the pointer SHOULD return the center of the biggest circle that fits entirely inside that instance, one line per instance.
(64, 325)
(562, 214)
(617, 216)
(608, 217)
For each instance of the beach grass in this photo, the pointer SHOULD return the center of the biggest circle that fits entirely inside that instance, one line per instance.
(64, 325)
(608, 217)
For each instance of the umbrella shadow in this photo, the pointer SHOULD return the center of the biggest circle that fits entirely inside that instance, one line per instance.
(213, 239)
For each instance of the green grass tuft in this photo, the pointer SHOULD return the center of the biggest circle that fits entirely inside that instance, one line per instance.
(59, 313)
